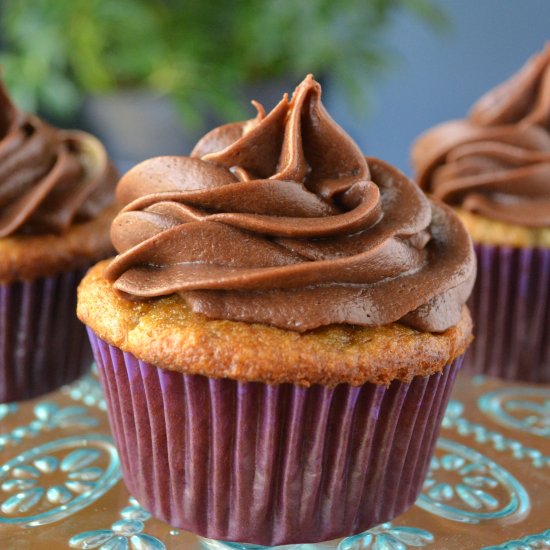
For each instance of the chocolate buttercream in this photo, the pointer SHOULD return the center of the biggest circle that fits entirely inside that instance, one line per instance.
(496, 162)
(281, 220)
(49, 178)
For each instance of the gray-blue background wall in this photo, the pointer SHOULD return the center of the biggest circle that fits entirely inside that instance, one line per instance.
(440, 75)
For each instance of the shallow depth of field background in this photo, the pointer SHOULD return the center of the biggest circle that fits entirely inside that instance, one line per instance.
(434, 73)
(441, 74)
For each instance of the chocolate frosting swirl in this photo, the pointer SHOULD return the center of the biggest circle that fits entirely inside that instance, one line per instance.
(497, 162)
(281, 220)
(49, 178)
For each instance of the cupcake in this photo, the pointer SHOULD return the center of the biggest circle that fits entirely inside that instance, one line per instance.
(56, 206)
(280, 331)
(494, 169)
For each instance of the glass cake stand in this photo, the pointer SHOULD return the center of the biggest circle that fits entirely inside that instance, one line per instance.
(488, 485)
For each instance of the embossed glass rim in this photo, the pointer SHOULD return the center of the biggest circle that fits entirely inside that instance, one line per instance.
(110, 477)
(491, 404)
(518, 505)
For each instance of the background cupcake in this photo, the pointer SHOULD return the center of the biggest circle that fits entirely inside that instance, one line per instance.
(494, 168)
(280, 331)
(56, 204)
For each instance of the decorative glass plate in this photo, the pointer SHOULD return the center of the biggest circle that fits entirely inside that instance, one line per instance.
(488, 485)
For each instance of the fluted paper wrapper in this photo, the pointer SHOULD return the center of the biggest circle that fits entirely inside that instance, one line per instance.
(510, 308)
(42, 343)
(269, 464)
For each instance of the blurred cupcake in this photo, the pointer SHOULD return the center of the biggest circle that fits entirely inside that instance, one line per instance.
(280, 331)
(56, 205)
(494, 168)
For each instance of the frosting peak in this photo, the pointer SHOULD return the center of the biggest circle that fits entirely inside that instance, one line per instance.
(523, 99)
(49, 178)
(281, 220)
(497, 161)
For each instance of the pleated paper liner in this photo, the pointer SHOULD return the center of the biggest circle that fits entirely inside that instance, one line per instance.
(270, 464)
(42, 343)
(510, 308)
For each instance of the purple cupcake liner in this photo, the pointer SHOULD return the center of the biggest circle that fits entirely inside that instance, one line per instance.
(42, 343)
(270, 464)
(510, 308)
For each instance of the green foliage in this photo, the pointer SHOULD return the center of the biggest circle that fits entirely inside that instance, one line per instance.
(200, 52)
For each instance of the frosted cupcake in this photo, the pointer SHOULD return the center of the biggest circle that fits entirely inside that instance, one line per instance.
(56, 206)
(280, 332)
(494, 169)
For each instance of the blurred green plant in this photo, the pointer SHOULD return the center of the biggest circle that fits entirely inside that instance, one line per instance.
(202, 53)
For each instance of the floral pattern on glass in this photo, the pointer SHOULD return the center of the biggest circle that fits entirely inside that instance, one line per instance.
(453, 420)
(87, 390)
(388, 537)
(48, 416)
(526, 409)
(52, 481)
(124, 534)
(466, 486)
(530, 542)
